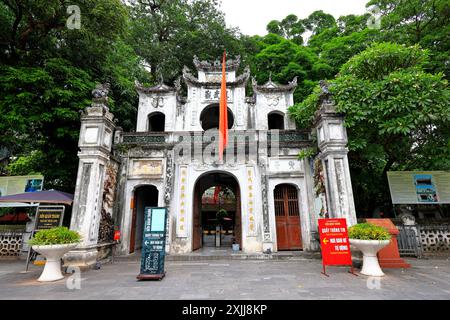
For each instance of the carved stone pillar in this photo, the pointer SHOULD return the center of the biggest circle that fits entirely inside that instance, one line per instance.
(95, 142)
(332, 142)
(263, 149)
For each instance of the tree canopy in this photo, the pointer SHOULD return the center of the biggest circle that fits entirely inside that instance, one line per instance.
(397, 116)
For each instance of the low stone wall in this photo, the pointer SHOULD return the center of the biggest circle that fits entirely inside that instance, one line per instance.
(435, 238)
(10, 243)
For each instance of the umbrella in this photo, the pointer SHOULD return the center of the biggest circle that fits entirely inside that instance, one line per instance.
(49, 196)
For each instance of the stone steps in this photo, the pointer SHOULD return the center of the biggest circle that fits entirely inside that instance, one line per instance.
(244, 256)
(228, 255)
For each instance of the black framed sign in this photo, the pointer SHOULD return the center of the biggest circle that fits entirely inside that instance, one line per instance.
(153, 244)
(49, 217)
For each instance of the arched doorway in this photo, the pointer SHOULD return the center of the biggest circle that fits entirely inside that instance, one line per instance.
(287, 217)
(144, 196)
(275, 120)
(156, 122)
(213, 192)
(209, 117)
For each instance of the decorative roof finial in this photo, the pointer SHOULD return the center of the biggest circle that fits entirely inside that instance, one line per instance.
(160, 77)
(325, 95)
(100, 93)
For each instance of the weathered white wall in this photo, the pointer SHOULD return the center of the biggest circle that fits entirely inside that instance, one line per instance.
(162, 102)
(269, 102)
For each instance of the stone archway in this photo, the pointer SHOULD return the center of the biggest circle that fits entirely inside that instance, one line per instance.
(275, 120)
(206, 182)
(156, 122)
(209, 117)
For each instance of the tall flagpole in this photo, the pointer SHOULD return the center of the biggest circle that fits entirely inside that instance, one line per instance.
(223, 111)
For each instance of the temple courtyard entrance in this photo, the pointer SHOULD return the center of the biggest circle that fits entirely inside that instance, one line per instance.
(216, 211)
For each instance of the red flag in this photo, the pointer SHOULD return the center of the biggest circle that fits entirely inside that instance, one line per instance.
(223, 111)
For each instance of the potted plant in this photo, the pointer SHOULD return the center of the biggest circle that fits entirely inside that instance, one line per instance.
(220, 216)
(53, 244)
(369, 239)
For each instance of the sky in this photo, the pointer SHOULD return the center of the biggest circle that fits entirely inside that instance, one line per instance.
(252, 16)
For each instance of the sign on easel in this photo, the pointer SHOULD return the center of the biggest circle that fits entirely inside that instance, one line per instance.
(153, 244)
(334, 243)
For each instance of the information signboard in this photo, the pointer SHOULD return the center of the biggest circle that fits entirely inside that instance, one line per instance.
(419, 187)
(153, 244)
(19, 184)
(334, 243)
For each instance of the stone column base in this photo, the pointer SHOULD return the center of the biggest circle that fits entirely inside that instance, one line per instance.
(82, 257)
(267, 247)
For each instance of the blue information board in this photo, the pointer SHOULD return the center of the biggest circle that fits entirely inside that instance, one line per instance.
(153, 244)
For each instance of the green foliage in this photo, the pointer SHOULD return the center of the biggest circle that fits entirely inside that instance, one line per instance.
(367, 231)
(26, 164)
(382, 59)
(59, 235)
(397, 116)
(307, 153)
(303, 112)
(319, 21)
(285, 60)
(39, 118)
(47, 73)
(221, 215)
(290, 28)
(167, 34)
(419, 22)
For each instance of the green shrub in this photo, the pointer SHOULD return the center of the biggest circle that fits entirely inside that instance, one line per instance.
(367, 231)
(59, 235)
(221, 215)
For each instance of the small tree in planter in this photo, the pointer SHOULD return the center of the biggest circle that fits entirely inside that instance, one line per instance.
(369, 239)
(53, 244)
(220, 216)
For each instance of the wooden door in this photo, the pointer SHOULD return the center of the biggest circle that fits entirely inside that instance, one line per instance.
(287, 216)
(197, 224)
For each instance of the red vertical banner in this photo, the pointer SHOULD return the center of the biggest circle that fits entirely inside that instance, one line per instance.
(216, 194)
(223, 111)
(334, 242)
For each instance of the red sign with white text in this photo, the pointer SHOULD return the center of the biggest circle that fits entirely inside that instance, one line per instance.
(334, 242)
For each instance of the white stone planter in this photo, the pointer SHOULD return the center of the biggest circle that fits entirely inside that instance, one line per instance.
(53, 254)
(369, 248)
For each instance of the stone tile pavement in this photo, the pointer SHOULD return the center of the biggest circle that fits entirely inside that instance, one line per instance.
(233, 279)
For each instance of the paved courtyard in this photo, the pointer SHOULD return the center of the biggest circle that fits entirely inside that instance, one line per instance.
(232, 279)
